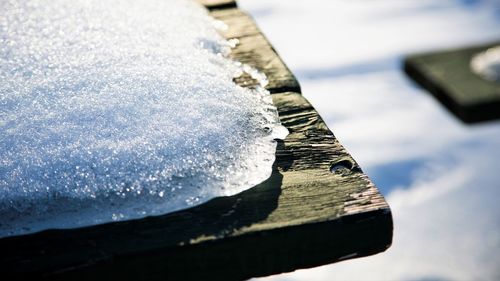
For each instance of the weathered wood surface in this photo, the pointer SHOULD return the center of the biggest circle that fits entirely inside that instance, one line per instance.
(304, 215)
(255, 50)
(448, 76)
(317, 207)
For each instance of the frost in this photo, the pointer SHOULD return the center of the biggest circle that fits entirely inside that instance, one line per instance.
(114, 110)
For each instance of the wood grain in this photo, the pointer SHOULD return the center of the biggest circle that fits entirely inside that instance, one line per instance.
(303, 215)
(317, 207)
(255, 50)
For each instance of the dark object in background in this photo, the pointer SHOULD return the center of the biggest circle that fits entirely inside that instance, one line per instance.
(449, 77)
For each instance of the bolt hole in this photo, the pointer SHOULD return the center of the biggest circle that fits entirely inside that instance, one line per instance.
(340, 166)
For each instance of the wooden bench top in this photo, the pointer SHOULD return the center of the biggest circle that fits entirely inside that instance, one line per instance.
(318, 207)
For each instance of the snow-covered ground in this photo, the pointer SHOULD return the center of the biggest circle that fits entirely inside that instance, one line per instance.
(440, 177)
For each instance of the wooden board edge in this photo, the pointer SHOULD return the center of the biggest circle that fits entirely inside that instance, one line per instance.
(277, 251)
(284, 80)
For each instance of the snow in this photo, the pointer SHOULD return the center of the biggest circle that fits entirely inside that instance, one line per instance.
(115, 110)
(487, 64)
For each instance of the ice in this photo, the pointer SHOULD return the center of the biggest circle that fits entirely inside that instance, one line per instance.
(115, 110)
(487, 64)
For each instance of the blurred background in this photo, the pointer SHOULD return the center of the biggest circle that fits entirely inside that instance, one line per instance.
(440, 176)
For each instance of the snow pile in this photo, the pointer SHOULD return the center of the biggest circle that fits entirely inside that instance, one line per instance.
(114, 110)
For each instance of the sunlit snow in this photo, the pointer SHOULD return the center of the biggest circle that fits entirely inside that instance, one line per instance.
(113, 110)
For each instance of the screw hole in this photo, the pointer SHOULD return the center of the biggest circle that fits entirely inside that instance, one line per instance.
(341, 166)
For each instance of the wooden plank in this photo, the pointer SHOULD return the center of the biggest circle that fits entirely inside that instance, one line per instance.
(303, 216)
(448, 76)
(255, 50)
(317, 207)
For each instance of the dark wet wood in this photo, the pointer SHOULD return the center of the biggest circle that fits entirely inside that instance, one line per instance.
(448, 76)
(317, 207)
